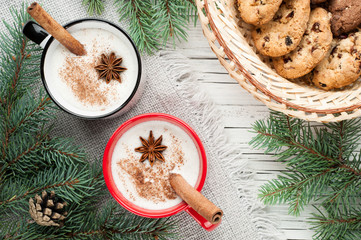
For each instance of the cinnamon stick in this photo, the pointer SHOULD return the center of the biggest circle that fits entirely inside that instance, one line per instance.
(55, 29)
(195, 199)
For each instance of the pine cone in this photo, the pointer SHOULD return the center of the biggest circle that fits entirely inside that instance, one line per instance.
(47, 210)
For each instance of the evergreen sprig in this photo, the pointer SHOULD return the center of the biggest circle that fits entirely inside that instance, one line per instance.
(323, 165)
(114, 225)
(140, 16)
(337, 223)
(171, 19)
(152, 23)
(94, 6)
(32, 160)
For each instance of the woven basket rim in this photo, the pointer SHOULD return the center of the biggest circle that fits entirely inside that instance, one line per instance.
(258, 85)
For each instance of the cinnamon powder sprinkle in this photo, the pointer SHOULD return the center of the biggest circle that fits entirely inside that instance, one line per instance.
(79, 74)
(152, 183)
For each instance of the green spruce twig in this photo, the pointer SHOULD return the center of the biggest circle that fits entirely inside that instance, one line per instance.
(153, 22)
(337, 223)
(322, 165)
(140, 14)
(114, 224)
(94, 6)
(171, 19)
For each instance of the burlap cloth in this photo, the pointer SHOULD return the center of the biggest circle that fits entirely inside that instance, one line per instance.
(171, 89)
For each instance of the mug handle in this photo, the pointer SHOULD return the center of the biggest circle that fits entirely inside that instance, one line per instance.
(36, 33)
(201, 220)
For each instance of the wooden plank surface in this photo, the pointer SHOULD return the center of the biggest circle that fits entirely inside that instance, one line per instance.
(240, 110)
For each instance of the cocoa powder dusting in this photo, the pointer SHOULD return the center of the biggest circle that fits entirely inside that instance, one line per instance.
(152, 183)
(79, 74)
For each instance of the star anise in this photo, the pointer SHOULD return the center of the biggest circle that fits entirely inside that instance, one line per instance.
(110, 68)
(151, 149)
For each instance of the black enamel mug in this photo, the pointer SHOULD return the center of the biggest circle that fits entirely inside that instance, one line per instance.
(131, 89)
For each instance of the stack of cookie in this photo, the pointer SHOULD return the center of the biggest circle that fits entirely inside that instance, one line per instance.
(317, 38)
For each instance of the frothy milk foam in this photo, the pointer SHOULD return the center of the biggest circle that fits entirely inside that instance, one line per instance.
(177, 141)
(65, 89)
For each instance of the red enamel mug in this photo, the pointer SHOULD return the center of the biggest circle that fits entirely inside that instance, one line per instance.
(183, 206)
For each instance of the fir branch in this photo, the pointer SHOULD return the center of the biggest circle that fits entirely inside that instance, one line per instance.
(140, 14)
(16, 62)
(344, 135)
(153, 22)
(62, 151)
(171, 19)
(295, 189)
(28, 115)
(337, 222)
(94, 6)
(124, 226)
(322, 166)
(350, 169)
(11, 91)
(66, 182)
(301, 145)
(21, 153)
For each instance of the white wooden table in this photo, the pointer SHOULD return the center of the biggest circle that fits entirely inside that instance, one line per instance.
(234, 101)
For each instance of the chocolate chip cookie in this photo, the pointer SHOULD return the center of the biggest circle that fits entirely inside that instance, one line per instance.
(284, 32)
(346, 15)
(342, 66)
(258, 12)
(317, 1)
(314, 45)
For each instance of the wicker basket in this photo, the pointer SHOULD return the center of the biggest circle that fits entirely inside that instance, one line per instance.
(229, 38)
